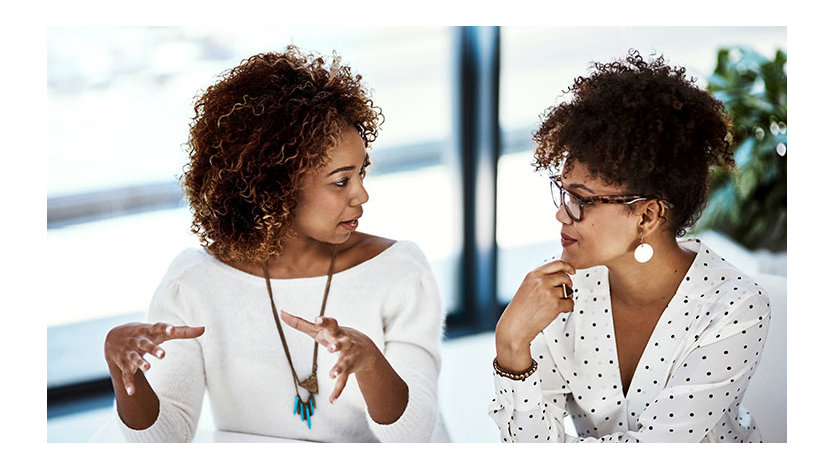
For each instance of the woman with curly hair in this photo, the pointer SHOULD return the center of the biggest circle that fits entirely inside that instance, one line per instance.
(277, 157)
(639, 336)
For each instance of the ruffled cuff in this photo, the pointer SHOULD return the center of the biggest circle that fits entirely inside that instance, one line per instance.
(521, 395)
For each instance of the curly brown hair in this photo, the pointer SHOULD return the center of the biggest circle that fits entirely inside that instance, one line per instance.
(642, 125)
(256, 134)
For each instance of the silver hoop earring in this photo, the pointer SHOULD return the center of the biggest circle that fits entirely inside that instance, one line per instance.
(644, 252)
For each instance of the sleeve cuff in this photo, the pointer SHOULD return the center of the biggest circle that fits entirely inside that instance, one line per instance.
(162, 430)
(521, 395)
(416, 424)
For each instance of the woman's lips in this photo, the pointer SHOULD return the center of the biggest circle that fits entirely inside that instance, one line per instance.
(350, 225)
(567, 241)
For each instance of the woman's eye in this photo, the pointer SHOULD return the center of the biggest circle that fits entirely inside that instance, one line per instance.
(342, 183)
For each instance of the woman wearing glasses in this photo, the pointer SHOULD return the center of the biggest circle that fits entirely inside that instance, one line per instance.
(638, 336)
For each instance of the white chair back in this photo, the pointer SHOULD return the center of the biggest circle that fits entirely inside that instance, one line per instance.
(766, 396)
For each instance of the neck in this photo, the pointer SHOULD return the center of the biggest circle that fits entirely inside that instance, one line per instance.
(637, 285)
(301, 258)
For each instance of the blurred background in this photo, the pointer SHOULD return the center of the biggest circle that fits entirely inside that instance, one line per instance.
(451, 169)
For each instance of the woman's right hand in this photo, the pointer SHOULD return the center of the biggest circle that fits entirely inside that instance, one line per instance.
(537, 302)
(126, 345)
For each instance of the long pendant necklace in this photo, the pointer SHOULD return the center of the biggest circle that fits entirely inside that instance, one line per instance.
(304, 409)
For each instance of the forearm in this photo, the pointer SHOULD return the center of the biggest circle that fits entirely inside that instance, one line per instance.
(139, 410)
(511, 350)
(384, 391)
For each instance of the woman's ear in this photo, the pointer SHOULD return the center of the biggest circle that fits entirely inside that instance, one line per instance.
(653, 216)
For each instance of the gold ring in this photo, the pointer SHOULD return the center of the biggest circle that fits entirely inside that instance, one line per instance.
(567, 291)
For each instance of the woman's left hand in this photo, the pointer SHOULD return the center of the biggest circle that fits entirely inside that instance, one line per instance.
(357, 352)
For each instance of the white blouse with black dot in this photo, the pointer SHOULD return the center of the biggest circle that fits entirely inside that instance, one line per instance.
(689, 382)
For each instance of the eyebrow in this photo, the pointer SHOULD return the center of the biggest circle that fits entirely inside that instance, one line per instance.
(367, 162)
(581, 186)
(344, 168)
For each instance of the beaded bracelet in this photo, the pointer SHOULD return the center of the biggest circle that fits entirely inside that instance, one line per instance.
(512, 375)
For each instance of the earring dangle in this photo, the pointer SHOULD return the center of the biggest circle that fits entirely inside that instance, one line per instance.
(644, 252)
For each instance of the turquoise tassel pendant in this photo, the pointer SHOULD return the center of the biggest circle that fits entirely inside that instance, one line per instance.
(304, 409)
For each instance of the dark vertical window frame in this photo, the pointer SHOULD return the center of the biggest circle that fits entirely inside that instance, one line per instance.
(477, 140)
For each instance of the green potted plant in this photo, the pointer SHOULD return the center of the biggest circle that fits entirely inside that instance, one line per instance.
(749, 205)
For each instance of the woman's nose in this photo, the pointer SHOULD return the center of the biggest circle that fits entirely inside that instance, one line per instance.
(562, 215)
(360, 196)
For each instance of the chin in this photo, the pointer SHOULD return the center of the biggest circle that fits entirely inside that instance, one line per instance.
(339, 239)
(578, 262)
(568, 258)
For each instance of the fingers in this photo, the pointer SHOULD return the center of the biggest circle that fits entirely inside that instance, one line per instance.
(185, 332)
(331, 338)
(565, 305)
(126, 346)
(567, 291)
(145, 345)
(557, 269)
(559, 279)
(557, 266)
(540, 280)
(164, 331)
(341, 371)
(137, 362)
(127, 380)
(325, 330)
(159, 333)
(341, 381)
(132, 362)
(299, 324)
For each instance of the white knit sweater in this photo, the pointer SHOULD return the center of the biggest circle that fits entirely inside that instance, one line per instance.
(393, 298)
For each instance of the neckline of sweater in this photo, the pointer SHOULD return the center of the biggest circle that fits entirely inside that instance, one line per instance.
(354, 270)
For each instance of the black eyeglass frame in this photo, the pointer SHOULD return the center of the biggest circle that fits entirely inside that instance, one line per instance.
(555, 183)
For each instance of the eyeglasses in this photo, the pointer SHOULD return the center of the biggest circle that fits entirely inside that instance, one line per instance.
(574, 203)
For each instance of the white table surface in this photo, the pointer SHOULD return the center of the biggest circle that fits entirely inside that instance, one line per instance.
(110, 432)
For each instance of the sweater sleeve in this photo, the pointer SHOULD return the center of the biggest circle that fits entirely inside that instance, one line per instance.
(710, 378)
(413, 328)
(178, 379)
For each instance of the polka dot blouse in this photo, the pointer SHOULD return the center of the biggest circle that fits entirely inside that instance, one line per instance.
(689, 383)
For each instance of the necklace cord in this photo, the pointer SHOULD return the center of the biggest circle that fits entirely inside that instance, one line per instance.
(323, 305)
(278, 320)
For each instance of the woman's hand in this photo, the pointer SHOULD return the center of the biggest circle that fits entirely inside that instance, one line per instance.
(357, 353)
(126, 345)
(537, 302)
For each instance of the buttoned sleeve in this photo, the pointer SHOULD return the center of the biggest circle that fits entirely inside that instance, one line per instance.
(532, 409)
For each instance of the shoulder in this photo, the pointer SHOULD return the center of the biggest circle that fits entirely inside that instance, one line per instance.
(710, 271)
(382, 252)
(181, 287)
(366, 246)
(192, 265)
(728, 291)
(399, 272)
(407, 255)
